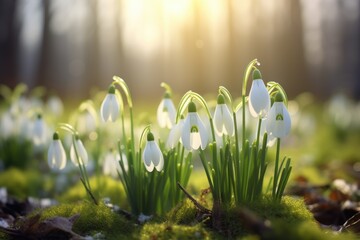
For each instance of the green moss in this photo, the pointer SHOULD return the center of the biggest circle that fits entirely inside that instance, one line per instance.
(304, 230)
(102, 187)
(172, 231)
(183, 213)
(291, 210)
(21, 183)
(93, 219)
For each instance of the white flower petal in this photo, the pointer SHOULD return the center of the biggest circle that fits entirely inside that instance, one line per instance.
(185, 136)
(223, 120)
(166, 113)
(204, 136)
(259, 99)
(56, 155)
(218, 120)
(110, 108)
(175, 134)
(105, 108)
(147, 157)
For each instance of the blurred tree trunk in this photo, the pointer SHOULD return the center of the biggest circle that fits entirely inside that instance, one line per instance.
(43, 74)
(9, 35)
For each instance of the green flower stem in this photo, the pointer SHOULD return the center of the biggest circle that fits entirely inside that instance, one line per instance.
(83, 173)
(276, 168)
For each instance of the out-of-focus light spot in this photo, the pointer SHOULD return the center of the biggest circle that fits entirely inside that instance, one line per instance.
(93, 136)
(199, 43)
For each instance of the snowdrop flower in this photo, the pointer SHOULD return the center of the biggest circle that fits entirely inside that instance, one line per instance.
(279, 121)
(194, 133)
(166, 112)
(223, 120)
(86, 122)
(56, 154)
(55, 106)
(175, 134)
(152, 155)
(259, 99)
(39, 130)
(110, 106)
(111, 165)
(81, 152)
(7, 125)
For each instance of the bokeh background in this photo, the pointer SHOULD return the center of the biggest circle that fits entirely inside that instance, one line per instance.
(74, 46)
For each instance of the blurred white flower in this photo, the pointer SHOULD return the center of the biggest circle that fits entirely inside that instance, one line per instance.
(110, 106)
(86, 123)
(81, 153)
(223, 120)
(39, 131)
(56, 154)
(152, 155)
(55, 106)
(7, 125)
(166, 112)
(194, 133)
(259, 99)
(111, 165)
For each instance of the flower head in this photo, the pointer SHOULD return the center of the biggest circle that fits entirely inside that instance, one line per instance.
(223, 120)
(194, 133)
(39, 130)
(111, 165)
(110, 106)
(152, 155)
(81, 152)
(279, 121)
(56, 154)
(175, 133)
(166, 112)
(259, 99)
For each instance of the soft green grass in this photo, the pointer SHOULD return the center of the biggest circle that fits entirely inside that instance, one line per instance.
(102, 187)
(22, 184)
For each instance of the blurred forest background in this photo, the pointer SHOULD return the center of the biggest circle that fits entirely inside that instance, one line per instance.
(73, 46)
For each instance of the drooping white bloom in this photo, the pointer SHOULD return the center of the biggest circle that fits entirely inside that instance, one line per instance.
(110, 106)
(39, 130)
(56, 154)
(223, 120)
(166, 112)
(81, 153)
(175, 134)
(55, 106)
(7, 125)
(278, 120)
(152, 155)
(111, 165)
(194, 133)
(86, 122)
(259, 99)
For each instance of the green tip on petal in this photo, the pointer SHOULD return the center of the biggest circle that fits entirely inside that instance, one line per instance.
(39, 116)
(191, 107)
(279, 97)
(220, 99)
(77, 136)
(150, 136)
(56, 136)
(111, 89)
(182, 116)
(167, 95)
(256, 74)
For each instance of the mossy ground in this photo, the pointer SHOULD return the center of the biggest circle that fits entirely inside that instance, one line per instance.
(290, 218)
